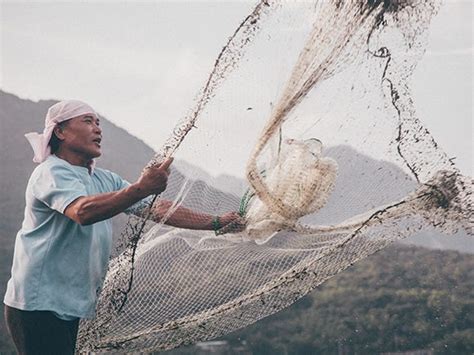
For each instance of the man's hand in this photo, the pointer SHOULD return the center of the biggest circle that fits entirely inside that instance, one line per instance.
(154, 179)
(231, 222)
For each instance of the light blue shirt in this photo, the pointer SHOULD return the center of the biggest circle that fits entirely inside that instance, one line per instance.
(59, 265)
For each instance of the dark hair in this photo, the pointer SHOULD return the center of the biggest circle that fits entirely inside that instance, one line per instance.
(54, 142)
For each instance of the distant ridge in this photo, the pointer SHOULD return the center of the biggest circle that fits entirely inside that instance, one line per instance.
(127, 155)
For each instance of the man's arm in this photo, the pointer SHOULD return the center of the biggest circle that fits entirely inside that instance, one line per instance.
(91, 209)
(189, 219)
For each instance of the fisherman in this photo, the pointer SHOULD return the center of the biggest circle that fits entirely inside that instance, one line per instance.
(63, 247)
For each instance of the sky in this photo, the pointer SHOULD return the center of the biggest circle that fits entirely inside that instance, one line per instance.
(141, 64)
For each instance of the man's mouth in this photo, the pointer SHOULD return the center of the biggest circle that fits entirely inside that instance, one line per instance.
(97, 141)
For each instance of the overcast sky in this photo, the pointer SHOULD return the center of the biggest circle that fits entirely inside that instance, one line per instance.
(137, 63)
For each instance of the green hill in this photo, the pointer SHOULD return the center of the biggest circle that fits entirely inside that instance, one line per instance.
(398, 300)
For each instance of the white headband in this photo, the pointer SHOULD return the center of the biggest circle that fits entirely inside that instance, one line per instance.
(59, 112)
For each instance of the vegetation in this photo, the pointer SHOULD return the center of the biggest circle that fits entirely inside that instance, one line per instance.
(400, 299)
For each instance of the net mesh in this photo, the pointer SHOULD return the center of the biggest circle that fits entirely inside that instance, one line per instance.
(307, 127)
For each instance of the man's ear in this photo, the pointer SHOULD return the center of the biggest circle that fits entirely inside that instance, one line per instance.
(59, 132)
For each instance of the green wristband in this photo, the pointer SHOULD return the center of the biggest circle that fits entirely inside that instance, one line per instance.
(216, 224)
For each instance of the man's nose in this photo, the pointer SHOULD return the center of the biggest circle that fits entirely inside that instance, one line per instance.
(98, 130)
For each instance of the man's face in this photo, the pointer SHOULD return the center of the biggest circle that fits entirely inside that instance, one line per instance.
(82, 135)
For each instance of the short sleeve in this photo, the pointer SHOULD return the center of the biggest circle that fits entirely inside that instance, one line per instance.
(57, 186)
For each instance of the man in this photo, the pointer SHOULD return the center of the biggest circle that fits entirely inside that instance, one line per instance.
(63, 246)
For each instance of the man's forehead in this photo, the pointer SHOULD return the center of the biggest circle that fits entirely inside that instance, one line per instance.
(86, 116)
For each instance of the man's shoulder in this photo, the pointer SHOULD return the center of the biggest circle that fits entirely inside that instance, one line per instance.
(53, 168)
(49, 165)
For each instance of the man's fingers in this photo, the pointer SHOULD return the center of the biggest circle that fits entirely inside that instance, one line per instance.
(166, 164)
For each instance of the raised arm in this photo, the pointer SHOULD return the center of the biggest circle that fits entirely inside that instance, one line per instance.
(91, 209)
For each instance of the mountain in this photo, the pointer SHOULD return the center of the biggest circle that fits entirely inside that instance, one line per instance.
(127, 155)
(364, 183)
(402, 300)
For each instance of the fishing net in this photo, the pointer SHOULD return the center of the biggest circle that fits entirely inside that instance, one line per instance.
(306, 126)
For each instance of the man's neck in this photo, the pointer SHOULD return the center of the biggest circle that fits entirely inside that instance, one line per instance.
(75, 159)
